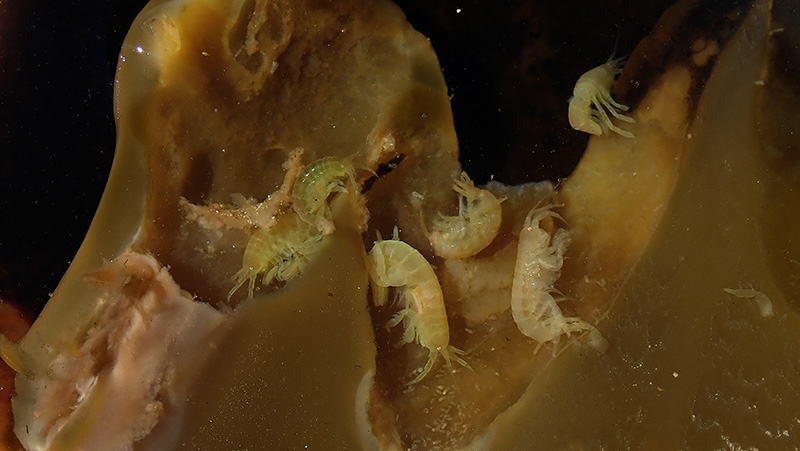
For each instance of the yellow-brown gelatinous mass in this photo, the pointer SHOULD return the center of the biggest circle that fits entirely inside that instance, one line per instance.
(221, 104)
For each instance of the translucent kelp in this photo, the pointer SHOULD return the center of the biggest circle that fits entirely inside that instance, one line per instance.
(677, 235)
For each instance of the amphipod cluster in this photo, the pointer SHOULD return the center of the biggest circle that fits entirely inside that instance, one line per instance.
(280, 251)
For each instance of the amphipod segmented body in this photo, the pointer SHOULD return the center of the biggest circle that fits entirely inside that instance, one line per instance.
(279, 252)
(593, 89)
(475, 226)
(394, 263)
(315, 185)
(539, 261)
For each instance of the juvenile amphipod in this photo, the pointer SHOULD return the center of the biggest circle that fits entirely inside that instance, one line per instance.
(278, 252)
(592, 96)
(763, 301)
(538, 266)
(315, 185)
(394, 263)
(473, 228)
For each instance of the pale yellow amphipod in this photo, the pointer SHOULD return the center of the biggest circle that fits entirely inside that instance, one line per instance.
(473, 228)
(315, 185)
(592, 96)
(538, 266)
(278, 252)
(394, 263)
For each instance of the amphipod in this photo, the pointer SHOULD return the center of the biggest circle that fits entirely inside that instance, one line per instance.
(538, 266)
(592, 96)
(475, 226)
(317, 182)
(278, 252)
(763, 301)
(394, 263)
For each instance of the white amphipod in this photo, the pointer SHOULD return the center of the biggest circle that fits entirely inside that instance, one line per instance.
(394, 263)
(538, 266)
(592, 96)
(473, 228)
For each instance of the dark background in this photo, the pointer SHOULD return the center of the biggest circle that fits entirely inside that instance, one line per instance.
(510, 66)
